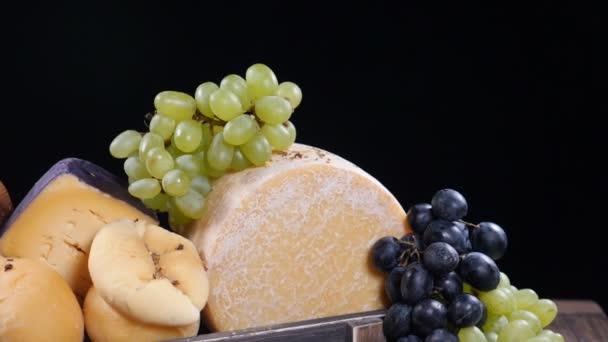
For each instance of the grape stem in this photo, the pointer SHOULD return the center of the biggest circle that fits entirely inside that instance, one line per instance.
(204, 119)
(469, 224)
(412, 250)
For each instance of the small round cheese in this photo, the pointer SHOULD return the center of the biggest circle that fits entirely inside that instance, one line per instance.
(36, 304)
(104, 323)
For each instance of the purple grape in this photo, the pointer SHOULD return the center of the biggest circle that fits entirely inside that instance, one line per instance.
(419, 216)
(386, 253)
(416, 284)
(449, 205)
(440, 258)
(397, 321)
(480, 271)
(449, 286)
(392, 284)
(441, 335)
(489, 239)
(448, 232)
(465, 311)
(427, 316)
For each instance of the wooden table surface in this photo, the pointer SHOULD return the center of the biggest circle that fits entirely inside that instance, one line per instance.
(578, 321)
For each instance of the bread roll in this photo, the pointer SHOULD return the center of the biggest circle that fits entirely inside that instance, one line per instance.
(5, 204)
(104, 323)
(36, 304)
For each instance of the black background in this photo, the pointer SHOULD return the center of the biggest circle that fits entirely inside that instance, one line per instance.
(501, 103)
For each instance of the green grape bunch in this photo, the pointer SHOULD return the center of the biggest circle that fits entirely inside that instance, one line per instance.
(193, 140)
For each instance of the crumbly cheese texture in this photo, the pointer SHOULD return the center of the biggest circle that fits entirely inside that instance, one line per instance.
(291, 241)
(58, 227)
(36, 304)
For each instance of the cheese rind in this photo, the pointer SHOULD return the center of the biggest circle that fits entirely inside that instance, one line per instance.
(36, 304)
(59, 217)
(291, 241)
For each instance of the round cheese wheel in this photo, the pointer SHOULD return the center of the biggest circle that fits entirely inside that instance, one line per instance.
(104, 323)
(36, 304)
(291, 241)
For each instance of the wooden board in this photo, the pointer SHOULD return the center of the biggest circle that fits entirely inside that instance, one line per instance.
(577, 321)
(5, 204)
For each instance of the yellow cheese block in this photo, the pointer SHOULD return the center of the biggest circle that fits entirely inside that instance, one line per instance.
(59, 224)
(104, 323)
(36, 304)
(291, 241)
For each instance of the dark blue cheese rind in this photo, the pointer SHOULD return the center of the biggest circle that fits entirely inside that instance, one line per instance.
(88, 173)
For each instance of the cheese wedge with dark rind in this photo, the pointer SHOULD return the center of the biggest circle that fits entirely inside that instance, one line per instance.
(60, 215)
(291, 241)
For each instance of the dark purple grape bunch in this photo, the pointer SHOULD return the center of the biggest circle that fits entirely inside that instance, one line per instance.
(427, 268)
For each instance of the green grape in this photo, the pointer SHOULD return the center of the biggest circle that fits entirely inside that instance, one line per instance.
(207, 137)
(539, 339)
(471, 334)
(144, 188)
(158, 202)
(219, 155)
(528, 317)
(257, 150)
(192, 204)
(238, 86)
(174, 151)
(176, 182)
(135, 169)
(516, 331)
(176, 217)
(513, 289)
(494, 323)
(467, 288)
(206, 169)
(273, 109)
(148, 142)
(491, 337)
(217, 129)
(163, 126)
(175, 105)
(291, 92)
(261, 81)
(131, 180)
(239, 162)
(504, 281)
(159, 162)
(240, 129)
(525, 298)
(557, 337)
(225, 104)
(201, 184)
(125, 144)
(553, 336)
(510, 290)
(190, 164)
(498, 301)
(545, 309)
(202, 94)
(188, 135)
(292, 131)
(278, 136)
